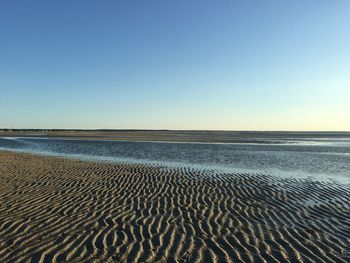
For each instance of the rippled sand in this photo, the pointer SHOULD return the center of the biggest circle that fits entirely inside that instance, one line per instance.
(54, 209)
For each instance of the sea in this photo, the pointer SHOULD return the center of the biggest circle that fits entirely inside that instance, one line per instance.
(321, 158)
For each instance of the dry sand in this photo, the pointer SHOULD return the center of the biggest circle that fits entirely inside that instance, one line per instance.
(53, 209)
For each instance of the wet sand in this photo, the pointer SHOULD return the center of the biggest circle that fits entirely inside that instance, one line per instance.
(55, 209)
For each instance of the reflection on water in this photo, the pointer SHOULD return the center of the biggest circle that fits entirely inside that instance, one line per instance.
(325, 158)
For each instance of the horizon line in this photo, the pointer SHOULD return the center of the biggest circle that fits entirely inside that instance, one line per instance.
(140, 129)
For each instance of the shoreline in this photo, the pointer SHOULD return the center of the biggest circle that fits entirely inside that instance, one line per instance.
(61, 209)
(339, 179)
(178, 136)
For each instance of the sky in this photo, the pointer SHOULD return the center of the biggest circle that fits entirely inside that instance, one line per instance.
(157, 64)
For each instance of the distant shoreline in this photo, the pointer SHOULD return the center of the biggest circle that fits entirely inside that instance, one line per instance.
(165, 130)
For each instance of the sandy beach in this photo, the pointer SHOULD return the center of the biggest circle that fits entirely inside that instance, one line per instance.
(175, 131)
(55, 209)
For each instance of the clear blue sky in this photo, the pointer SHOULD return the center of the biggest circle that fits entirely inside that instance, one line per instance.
(246, 65)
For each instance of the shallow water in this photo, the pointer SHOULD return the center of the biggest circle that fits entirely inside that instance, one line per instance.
(318, 158)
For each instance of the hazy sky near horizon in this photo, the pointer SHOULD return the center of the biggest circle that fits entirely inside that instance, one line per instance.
(235, 65)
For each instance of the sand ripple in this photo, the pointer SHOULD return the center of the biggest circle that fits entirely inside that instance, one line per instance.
(54, 210)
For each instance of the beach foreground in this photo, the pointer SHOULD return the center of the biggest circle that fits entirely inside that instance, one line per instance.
(55, 209)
